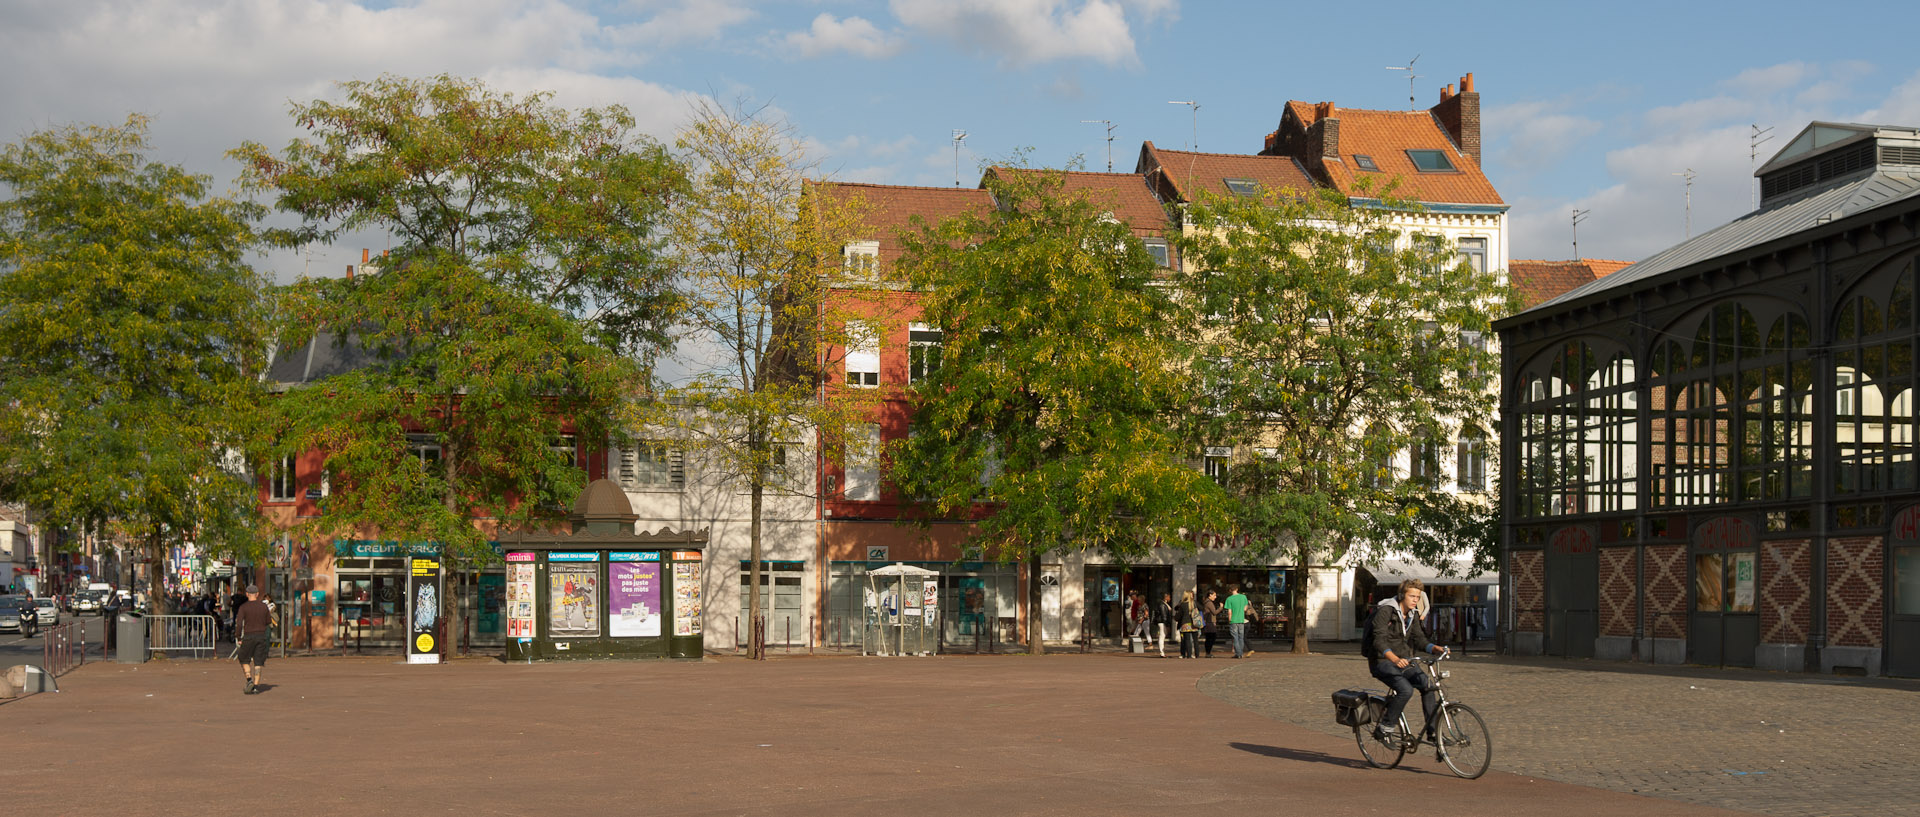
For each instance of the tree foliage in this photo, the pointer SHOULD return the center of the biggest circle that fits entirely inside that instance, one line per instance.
(1060, 386)
(131, 336)
(756, 247)
(524, 280)
(1328, 340)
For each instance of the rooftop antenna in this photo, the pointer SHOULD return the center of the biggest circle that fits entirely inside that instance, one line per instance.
(1688, 175)
(959, 136)
(1109, 124)
(1412, 105)
(1578, 216)
(1760, 136)
(1196, 119)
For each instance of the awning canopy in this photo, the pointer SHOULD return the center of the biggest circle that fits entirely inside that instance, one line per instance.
(1394, 571)
(902, 570)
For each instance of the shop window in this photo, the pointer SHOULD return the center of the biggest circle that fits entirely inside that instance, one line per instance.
(1906, 580)
(781, 584)
(1724, 582)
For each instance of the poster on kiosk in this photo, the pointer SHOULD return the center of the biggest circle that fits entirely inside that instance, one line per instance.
(423, 609)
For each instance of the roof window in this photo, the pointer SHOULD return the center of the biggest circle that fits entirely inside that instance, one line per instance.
(1365, 162)
(1242, 187)
(1431, 161)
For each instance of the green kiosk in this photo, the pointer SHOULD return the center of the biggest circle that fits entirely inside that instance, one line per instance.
(603, 591)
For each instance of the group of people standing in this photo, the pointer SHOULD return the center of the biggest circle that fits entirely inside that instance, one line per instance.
(1196, 621)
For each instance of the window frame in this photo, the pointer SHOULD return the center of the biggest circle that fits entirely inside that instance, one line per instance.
(1365, 163)
(1445, 164)
(283, 483)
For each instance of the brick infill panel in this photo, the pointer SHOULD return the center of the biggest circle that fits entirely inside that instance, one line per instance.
(1666, 589)
(1618, 591)
(1529, 597)
(1854, 591)
(1786, 603)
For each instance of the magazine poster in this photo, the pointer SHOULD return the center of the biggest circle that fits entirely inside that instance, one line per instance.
(519, 600)
(686, 598)
(423, 626)
(633, 599)
(573, 599)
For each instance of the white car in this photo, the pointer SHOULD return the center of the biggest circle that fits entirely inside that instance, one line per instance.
(49, 611)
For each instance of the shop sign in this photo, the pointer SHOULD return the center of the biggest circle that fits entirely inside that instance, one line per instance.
(686, 555)
(520, 556)
(423, 614)
(589, 556)
(634, 556)
(633, 600)
(686, 597)
(876, 553)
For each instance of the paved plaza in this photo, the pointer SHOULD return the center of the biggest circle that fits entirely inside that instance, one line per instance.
(1004, 735)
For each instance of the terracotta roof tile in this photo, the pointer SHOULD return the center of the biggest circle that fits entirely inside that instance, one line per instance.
(1187, 173)
(1125, 195)
(1542, 281)
(1386, 136)
(888, 209)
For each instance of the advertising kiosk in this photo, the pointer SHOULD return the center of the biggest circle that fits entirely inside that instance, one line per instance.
(602, 590)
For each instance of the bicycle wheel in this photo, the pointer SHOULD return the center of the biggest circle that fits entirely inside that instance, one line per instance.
(1379, 754)
(1464, 742)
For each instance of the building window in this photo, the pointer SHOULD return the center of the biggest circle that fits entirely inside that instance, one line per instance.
(1365, 162)
(1472, 460)
(424, 448)
(280, 480)
(645, 465)
(863, 464)
(1424, 462)
(565, 450)
(862, 260)
(863, 355)
(1845, 396)
(1242, 187)
(923, 351)
(1431, 161)
(781, 591)
(1473, 253)
(1157, 249)
(1216, 464)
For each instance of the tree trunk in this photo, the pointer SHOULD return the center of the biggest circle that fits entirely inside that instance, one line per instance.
(156, 582)
(1297, 601)
(450, 606)
(758, 487)
(1036, 644)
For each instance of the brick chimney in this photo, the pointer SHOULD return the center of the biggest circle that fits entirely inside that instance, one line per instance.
(1460, 115)
(1325, 133)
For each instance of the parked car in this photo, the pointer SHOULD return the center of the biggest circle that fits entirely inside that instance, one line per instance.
(49, 611)
(10, 612)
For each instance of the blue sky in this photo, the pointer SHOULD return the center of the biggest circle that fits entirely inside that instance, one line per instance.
(1594, 106)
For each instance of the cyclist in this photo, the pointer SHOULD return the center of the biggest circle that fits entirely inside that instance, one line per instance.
(1394, 632)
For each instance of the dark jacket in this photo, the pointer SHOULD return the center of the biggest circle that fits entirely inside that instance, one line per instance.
(1390, 633)
(1163, 613)
(1213, 611)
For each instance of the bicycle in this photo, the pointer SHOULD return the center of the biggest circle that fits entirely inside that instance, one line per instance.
(1460, 736)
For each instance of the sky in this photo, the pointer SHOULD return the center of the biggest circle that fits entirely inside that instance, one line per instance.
(1595, 106)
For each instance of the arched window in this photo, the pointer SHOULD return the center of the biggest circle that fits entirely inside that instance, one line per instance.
(1873, 360)
(1729, 418)
(1577, 432)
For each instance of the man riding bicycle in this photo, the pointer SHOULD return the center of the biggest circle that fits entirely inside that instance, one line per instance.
(1394, 632)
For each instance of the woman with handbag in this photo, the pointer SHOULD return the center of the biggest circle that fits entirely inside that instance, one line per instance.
(1187, 616)
(1210, 613)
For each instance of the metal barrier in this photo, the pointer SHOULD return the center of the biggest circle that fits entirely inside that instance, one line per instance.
(65, 647)
(171, 634)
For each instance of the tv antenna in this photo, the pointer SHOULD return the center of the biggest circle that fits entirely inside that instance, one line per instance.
(1196, 119)
(1688, 175)
(1760, 136)
(1412, 105)
(959, 137)
(1109, 124)
(1578, 216)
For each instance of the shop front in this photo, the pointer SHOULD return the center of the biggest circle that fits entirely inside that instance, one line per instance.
(978, 604)
(1268, 591)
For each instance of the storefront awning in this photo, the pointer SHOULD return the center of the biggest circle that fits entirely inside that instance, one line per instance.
(1394, 571)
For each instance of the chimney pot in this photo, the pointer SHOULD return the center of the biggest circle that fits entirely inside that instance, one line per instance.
(349, 272)
(1466, 83)
(1446, 92)
(365, 254)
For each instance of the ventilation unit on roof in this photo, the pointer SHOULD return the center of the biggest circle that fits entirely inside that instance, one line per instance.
(1818, 171)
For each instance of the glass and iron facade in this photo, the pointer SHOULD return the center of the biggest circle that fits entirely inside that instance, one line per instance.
(1711, 460)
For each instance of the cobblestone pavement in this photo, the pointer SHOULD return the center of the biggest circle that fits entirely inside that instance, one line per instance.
(1765, 742)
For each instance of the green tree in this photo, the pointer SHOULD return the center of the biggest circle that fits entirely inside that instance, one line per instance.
(1060, 384)
(506, 328)
(1327, 340)
(131, 337)
(749, 241)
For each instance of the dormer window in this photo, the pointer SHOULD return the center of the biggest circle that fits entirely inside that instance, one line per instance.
(1157, 249)
(1242, 187)
(1365, 162)
(1431, 161)
(862, 260)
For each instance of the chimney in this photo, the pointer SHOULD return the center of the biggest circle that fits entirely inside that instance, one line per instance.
(349, 272)
(364, 255)
(1460, 115)
(1327, 125)
(1446, 92)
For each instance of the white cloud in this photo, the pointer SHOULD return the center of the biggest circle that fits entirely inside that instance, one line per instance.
(1769, 79)
(1535, 135)
(682, 22)
(1026, 32)
(1901, 107)
(854, 35)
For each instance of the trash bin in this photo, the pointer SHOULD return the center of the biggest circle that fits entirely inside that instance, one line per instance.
(130, 639)
(1139, 644)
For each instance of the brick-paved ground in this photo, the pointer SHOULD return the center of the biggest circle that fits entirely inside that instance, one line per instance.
(1755, 741)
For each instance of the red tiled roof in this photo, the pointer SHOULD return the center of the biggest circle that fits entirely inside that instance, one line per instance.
(1542, 281)
(1386, 136)
(1125, 195)
(1187, 173)
(888, 209)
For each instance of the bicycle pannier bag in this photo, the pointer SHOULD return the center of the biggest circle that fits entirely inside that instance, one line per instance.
(1353, 707)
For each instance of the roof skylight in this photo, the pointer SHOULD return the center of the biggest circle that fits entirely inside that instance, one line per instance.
(1431, 161)
(1242, 187)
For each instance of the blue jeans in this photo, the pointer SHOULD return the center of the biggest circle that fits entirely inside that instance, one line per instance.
(1239, 638)
(1404, 682)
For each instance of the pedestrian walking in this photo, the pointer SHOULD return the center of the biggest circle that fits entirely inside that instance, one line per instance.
(1187, 615)
(1138, 616)
(253, 621)
(1237, 620)
(1163, 621)
(1210, 611)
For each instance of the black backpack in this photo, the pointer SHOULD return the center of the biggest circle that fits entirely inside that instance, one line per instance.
(1366, 634)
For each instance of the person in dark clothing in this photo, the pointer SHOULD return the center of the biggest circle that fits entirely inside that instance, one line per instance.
(1187, 616)
(1210, 613)
(253, 621)
(1394, 633)
(1162, 621)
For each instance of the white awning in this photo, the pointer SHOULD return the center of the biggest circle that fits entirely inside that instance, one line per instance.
(1394, 571)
